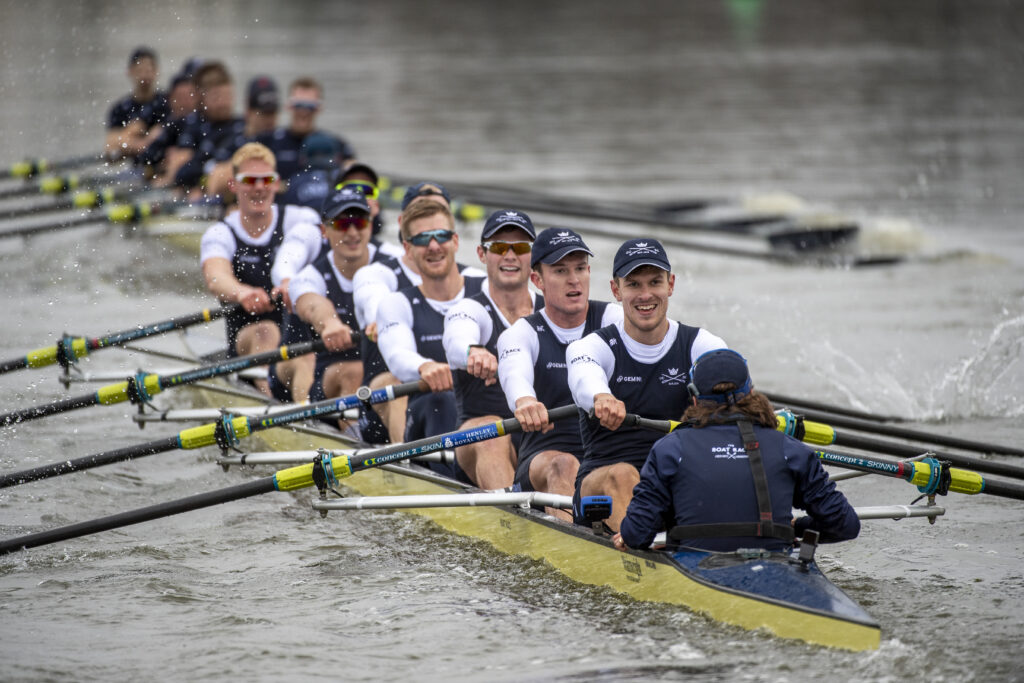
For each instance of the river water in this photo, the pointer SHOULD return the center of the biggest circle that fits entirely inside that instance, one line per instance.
(907, 117)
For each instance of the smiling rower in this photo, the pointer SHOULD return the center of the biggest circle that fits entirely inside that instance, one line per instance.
(638, 366)
(471, 330)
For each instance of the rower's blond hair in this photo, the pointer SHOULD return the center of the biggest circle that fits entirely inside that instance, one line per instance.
(250, 151)
(417, 210)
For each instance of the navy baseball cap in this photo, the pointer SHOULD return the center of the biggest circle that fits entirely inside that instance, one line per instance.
(718, 366)
(263, 95)
(554, 244)
(359, 167)
(343, 200)
(424, 190)
(141, 52)
(639, 252)
(507, 218)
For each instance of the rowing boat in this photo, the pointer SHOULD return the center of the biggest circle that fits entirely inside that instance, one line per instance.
(775, 592)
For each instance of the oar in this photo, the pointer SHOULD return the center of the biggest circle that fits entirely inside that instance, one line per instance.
(134, 212)
(909, 434)
(30, 168)
(141, 387)
(805, 404)
(918, 473)
(70, 349)
(825, 435)
(290, 479)
(55, 185)
(85, 199)
(225, 433)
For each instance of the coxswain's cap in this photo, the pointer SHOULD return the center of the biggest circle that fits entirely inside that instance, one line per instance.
(263, 95)
(424, 190)
(343, 200)
(507, 218)
(716, 367)
(554, 244)
(640, 252)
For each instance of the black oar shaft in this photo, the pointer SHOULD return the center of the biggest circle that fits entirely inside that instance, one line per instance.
(57, 225)
(1004, 489)
(45, 409)
(123, 519)
(803, 405)
(979, 464)
(89, 461)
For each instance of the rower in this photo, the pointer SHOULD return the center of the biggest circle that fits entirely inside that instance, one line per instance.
(322, 293)
(728, 479)
(531, 363)
(135, 120)
(183, 102)
(363, 178)
(319, 158)
(387, 420)
(410, 322)
(236, 254)
(215, 126)
(305, 99)
(471, 330)
(637, 366)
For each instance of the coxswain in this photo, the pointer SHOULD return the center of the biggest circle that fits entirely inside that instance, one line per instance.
(410, 322)
(135, 120)
(728, 479)
(237, 253)
(638, 366)
(471, 331)
(531, 362)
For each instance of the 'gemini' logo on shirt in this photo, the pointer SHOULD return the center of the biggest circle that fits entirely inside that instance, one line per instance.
(730, 452)
(628, 378)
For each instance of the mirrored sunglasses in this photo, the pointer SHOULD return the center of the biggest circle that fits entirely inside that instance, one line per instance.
(501, 248)
(423, 239)
(253, 179)
(343, 222)
(310, 105)
(368, 190)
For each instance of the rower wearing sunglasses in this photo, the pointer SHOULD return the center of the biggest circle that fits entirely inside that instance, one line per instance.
(471, 330)
(362, 177)
(322, 292)
(386, 422)
(410, 322)
(237, 253)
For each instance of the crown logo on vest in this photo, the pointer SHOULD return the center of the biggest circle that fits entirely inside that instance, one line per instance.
(673, 377)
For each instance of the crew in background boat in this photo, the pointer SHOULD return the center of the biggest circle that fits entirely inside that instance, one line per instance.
(237, 253)
(531, 362)
(638, 366)
(136, 119)
(322, 293)
(305, 99)
(319, 159)
(262, 106)
(471, 330)
(183, 101)
(215, 125)
(372, 283)
(410, 322)
(713, 481)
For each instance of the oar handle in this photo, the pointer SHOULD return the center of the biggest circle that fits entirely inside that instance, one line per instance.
(665, 426)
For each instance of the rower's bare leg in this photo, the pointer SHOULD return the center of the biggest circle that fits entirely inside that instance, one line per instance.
(490, 464)
(555, 472)
(297, 375)
(392, 413)
(617, 481)
(256, 338)
(343, 379)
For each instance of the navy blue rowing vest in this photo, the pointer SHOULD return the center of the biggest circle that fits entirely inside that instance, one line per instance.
(428, 324)
(373, 362)
(656, 391)
(251, 264)
(551, 383)
(473, 397)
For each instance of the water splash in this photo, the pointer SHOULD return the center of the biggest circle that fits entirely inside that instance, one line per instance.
(988, 384)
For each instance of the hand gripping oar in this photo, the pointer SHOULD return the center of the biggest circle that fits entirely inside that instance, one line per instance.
(929, 475)
(70, 349)
(141, 387)
(822, 434)
(225, 433)
(325, 468)
(30, 168)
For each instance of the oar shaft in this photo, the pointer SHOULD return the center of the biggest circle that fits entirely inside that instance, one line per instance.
(29, 168)
(89, 461)
(123, 519)
(905, 451)
(45, 409)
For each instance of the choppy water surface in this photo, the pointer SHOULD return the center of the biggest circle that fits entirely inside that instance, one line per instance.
(906, 117)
